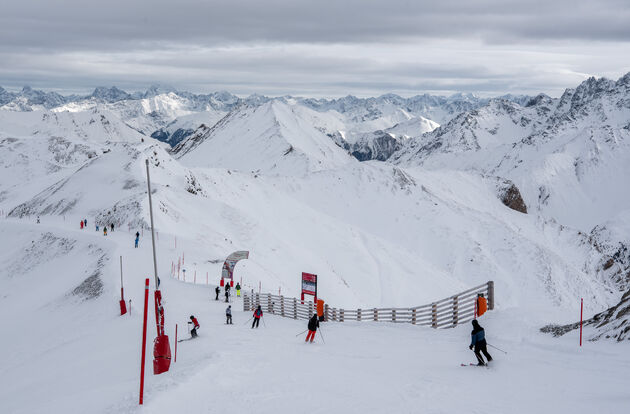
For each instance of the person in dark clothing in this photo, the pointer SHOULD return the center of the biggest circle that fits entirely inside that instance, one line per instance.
(112, 226)
(478, 340)
(227, 295)
(217, 291)
(258, 313)
(228, 315)
(136, 242)
(195, 326)
(313, 324)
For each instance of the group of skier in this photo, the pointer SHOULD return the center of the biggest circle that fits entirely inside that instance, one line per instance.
(217, 290)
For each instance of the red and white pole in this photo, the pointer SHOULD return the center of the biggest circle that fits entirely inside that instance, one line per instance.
(581, 313)
(144, 337)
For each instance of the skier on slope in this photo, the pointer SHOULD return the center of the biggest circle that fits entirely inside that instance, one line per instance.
(112, 226)
(313, 324)
(85, 223)
(478, 340)
(238, 290)
(228, 315)
(258, 313)
(195, 326)
(217, 290)
(137, 234)
(37, 219)
(136, 241)
(227, 292)
(105, 231)
(81, 224)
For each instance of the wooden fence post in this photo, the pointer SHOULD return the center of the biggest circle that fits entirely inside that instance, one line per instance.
(282, 305)
(245, 301)
(326, 312)
(434, 315)
(375, 315)
(455, 310)
(413, 316)
(491, 295)
(393, 315)
(310, 309)
(335, 314)
(358, 314)
(340, 315)
(294, 308)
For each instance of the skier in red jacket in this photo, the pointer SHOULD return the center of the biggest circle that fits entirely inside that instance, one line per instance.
(258, 313)
(195, 324)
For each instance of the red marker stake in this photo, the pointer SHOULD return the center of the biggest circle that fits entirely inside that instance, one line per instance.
(144, 337)
(581, 312)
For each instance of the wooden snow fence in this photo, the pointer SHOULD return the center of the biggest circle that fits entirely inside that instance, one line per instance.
(445, 313)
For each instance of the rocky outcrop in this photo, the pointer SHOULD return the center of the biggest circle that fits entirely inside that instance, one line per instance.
(510, 196)
(613, 323)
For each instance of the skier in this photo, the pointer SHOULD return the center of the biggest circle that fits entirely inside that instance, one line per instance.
(112, 226)
(228, 315)
(137, 235)
(85, 223)
(238, 290)
(37, 219)
(105, 231)
(217, 290)
(96, 227)
(81, 224)
(195, 324)
(136, 241)
(478, 340)
(258, 313)
(313, 324)
(227, 292)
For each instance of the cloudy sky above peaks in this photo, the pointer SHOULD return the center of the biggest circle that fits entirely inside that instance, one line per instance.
(314, 48)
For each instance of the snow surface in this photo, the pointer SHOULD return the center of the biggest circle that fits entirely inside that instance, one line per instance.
(273, 178)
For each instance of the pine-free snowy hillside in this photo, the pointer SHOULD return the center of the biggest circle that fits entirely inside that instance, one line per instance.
(442, 214)
(272, 138)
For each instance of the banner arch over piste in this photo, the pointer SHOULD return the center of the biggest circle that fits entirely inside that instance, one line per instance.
(230, 264)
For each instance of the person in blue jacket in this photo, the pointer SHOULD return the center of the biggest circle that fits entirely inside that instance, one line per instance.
(478, 340)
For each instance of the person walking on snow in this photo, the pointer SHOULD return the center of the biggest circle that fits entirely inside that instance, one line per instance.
(238, 290)
(478, 340)
(227, 292)
(217, 291)
(37, 219)
(112, 226)
(313, 324)
(228, 315)
(85, 223)
(258, 313)
(105, 231)
(96, 227)
(195, 326)
(136, 242)
(81, 224)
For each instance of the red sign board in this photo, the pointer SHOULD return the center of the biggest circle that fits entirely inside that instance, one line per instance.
(309, 285)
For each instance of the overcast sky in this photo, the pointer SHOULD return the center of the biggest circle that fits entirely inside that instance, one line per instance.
(314, 48)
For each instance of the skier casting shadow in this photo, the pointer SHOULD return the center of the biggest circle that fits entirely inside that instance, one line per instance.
(478, 340)
(258, 313)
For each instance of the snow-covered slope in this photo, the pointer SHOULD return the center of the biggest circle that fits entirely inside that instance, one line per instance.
(271, 138)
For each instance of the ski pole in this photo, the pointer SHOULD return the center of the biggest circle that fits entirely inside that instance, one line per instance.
(320, 334)
(263, 319)
(247, 321)
(496, 348)
(301, 332)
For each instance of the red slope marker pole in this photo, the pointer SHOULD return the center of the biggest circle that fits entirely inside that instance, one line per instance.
(175, 343)
(581, 313)
(144, 338)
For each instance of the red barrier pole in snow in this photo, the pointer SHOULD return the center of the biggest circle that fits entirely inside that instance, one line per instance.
(581, 312)
(175, 343)
(144, 337)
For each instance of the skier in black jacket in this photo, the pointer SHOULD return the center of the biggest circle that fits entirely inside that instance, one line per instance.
(478, 340)
(313, 324)
(217, 291)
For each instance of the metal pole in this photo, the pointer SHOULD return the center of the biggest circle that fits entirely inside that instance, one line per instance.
(152, 227)
(144, 338)
(122, 296)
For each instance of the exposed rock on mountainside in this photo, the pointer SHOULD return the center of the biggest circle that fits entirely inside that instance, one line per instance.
(613, 323)
(510, 196)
